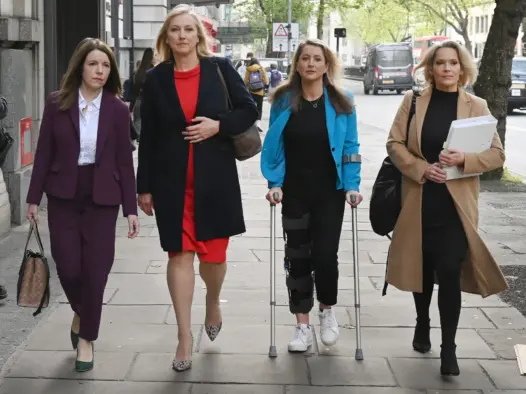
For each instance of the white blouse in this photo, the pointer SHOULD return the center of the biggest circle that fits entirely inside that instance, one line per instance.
(89, 126)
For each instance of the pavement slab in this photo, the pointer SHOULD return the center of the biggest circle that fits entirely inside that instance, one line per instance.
(50, 386)
(504, 373)
(138, 335)
(413, 373)
(223, 368)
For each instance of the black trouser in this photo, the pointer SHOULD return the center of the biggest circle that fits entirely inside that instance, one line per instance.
(258, 98)
(312, 228)
(444, 250)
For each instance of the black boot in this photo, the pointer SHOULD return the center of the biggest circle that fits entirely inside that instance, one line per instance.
(448, 359)
(421, 339)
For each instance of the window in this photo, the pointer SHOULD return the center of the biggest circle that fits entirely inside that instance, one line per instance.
(395, 58)
(477, 25)
(486, 18)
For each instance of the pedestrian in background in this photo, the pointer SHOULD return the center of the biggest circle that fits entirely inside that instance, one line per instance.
(436, 233)
(256, 79)
(187, 167)
(84, 164)
(310, 158)
(275, 78)
(136, 88)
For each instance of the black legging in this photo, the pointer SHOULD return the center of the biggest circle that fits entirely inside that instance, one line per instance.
(312, 226)
(444, 250)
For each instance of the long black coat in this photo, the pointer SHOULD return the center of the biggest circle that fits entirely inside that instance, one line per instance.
(163, 153)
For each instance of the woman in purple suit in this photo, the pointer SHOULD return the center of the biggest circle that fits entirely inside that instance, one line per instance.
(84, 165)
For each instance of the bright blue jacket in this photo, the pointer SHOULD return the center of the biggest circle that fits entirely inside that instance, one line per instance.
(343, 139)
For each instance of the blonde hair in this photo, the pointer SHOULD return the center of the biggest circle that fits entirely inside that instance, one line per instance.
(467, 64)
(337, 97)
(163, 49)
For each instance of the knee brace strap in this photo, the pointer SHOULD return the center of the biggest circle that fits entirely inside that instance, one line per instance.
(302, 252)
(302, 284)
(301, 223)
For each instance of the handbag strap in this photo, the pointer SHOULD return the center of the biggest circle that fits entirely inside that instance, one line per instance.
(222, 79)
(412, 111)
(34, 227)
(46, 295)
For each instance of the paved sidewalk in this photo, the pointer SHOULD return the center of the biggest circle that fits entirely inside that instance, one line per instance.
(138, 335)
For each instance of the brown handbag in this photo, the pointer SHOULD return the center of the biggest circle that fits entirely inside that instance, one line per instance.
(247, 144)
(33, 277)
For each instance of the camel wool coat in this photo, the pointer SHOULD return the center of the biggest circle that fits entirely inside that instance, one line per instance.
(480, 272)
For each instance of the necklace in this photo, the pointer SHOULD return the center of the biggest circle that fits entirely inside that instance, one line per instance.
(315, 105)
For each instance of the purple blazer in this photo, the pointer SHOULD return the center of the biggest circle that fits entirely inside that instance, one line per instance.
(55, 169)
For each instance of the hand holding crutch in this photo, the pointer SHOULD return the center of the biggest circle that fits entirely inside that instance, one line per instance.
(359, 352)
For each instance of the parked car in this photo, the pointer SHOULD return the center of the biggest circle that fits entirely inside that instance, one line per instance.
(388, 67)
(517, 91)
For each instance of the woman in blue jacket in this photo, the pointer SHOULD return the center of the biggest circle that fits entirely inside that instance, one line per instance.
(310, 159)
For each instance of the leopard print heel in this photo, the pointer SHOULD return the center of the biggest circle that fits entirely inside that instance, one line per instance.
(213, 330)
(183, 365)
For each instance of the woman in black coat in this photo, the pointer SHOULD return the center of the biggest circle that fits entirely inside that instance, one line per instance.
(187, 168)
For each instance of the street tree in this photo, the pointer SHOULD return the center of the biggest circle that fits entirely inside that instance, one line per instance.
(454, 13)
(397, 20)
(262, 13)
(363, 23)
(326, 6)
(494, 79)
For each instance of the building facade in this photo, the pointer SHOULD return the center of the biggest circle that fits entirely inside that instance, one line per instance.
(480, 18)
(37, 39)
(22, 83)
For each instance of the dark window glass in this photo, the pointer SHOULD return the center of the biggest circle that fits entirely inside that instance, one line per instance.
(394, 58)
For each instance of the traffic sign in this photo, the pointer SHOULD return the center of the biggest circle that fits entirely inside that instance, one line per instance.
(280, 36)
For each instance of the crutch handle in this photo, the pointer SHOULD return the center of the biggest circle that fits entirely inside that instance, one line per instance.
(275, 196)
(353, 200)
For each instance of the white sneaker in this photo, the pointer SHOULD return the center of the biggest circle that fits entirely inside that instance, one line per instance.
(328, 327)
(301, 339)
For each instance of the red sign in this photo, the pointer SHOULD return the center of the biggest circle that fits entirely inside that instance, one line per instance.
(26, 145)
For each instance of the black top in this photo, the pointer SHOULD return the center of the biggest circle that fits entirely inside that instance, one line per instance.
(438, 208)
(308, 157)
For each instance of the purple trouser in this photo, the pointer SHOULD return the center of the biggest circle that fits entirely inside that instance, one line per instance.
(82, 237)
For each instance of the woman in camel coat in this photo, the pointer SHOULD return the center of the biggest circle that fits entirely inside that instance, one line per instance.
(436, 233)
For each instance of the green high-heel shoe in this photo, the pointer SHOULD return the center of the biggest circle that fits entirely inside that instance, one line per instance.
(85, 366)
(74, 339)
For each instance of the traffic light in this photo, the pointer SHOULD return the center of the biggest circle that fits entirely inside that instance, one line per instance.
(340, 32)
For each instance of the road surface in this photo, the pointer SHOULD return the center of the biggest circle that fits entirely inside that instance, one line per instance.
(379, 111)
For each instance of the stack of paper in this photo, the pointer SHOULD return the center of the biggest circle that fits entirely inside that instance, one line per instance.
(472, 135)
(520, 352)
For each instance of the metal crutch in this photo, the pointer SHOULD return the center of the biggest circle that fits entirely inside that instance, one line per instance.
(272, 350)
(359, 352)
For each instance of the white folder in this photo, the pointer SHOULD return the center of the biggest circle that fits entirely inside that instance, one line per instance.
(472, 135)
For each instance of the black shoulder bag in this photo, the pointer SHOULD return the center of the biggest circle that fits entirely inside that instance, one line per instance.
(386, 198)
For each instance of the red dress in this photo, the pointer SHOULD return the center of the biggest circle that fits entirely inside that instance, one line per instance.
(213, 250)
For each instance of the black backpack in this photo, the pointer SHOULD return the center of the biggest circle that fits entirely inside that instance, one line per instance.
(386, 198)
